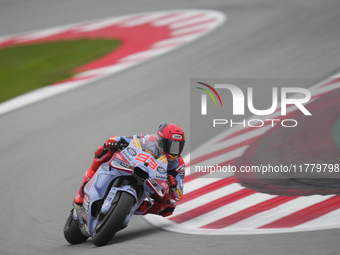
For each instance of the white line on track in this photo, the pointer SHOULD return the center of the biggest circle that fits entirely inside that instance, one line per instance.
(198, 183)
(228, 209)
(169, 21)
(101, 24)
(191, 22)
(278, 212)
(142, 20)
(207, 198)
(331, 219)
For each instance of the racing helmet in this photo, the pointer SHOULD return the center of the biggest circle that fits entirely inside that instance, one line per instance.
(170, 140)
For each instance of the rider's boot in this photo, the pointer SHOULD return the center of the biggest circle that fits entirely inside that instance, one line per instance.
(164, 209)
(80, 195)
(100, 156)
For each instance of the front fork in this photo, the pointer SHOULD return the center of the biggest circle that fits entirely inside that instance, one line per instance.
(76, 214)
(113, 198)
(110, 200)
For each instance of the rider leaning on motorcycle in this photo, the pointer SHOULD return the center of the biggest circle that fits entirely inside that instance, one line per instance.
(169, 142)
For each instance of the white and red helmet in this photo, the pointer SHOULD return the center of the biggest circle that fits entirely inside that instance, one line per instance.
(170, 140)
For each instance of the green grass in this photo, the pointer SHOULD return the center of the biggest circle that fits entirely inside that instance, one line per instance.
(24, 68)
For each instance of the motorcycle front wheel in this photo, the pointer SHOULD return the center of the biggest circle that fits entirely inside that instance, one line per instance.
(113, 220)
(72, 232)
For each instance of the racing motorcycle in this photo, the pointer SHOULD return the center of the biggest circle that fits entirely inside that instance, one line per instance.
(114, 193)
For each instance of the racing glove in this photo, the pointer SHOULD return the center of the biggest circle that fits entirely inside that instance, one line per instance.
(172, 181)
(173, 187)
(111, 144)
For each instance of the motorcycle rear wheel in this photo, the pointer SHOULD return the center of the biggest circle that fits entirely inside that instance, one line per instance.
(72, 232)
(114, 220)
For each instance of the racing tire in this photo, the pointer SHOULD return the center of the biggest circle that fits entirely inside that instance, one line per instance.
(72, 232)
(113, 220)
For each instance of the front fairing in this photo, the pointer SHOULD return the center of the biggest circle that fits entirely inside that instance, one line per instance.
(142, 153)
(138, 154)
(123, 163)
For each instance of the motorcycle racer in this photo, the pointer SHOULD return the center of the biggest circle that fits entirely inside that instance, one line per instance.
(167, 144)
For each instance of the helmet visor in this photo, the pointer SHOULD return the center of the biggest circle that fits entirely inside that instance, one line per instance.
(173, 147)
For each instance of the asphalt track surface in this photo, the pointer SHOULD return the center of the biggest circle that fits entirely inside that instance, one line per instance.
(46, 147)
